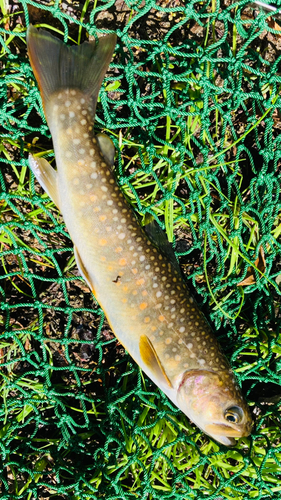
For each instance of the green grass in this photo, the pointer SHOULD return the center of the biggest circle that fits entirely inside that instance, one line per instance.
(80, 429)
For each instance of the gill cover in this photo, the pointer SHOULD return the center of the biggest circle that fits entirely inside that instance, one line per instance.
(214, 406)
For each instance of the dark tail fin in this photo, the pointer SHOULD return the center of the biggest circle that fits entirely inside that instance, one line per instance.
(59, 66)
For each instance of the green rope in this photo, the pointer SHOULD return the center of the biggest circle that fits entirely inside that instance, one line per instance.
(192, 104)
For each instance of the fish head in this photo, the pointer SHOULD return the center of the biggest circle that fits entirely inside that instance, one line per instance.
(212, 400)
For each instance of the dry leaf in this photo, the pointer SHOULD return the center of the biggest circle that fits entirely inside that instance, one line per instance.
(260, 264)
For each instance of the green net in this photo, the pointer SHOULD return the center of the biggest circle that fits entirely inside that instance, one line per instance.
(191, 101)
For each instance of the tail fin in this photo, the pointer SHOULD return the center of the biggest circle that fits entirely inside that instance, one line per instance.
(58, 66)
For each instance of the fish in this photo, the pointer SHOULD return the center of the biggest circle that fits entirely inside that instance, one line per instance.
(143, 294)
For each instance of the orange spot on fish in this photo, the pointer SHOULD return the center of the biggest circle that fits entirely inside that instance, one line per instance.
(124, 301)
(144, 293)
(102, 218)
(147, 319)
(93, 197)
(103, 258)
(102, 242)
(125, 288)
(118, 249)
(140, 282)
(122, 262)
(143, 306)
(161, 317)
(134, 271)
(109, 268)
(97, 209)
(153, 328)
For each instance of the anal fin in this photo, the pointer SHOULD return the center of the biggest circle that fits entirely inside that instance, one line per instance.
(83, 271)
(46, 176)
(151, 360)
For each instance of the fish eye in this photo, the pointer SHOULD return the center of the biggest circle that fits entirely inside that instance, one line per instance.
(233, 414)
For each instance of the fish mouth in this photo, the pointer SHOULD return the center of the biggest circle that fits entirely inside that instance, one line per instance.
(225, 433)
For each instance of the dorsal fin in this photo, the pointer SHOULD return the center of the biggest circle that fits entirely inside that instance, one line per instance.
(159, 239)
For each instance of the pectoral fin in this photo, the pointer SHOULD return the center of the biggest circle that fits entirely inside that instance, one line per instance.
(83, 271)
(46, 176)
(151, 360)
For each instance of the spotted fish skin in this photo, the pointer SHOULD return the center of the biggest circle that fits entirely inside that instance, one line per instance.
(143, 296)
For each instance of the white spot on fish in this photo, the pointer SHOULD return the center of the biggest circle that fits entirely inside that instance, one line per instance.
(83, 122)
(121, 236)
(76, 141)
(110, 202)
(67, 104)
(147, 267)
(201, 361)
(177, 357)
(158, 294)
(94, 175)
(182, 329)
(189, 345)
(81, 151)
(71, 114)
(93, 164)
(68, 154)
(62, 116)
(142, 257)
(82, 100)
(104, 188)
(84, 112)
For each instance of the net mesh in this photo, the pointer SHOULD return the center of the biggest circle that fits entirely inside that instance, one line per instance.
(192, 104)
